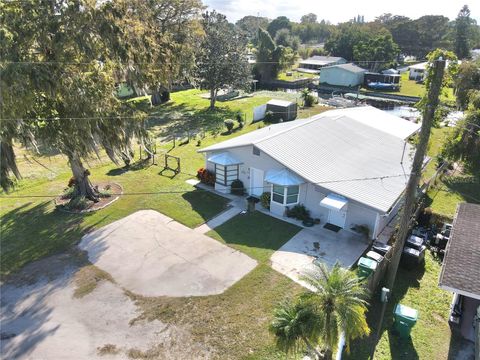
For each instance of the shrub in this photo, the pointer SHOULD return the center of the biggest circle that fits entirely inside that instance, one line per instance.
(362, 229)
(299, 212)
(229, 125)
(237, 187)
(309, 100)
(72, 182)
(77, 203)
(269, 117)
(68, 192)
(265, 200)
(205, 176)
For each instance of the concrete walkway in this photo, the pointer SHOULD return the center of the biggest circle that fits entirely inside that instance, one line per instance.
(218, 220)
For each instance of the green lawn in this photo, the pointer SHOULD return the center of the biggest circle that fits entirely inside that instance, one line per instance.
(431, 336)
(412, 88)
(235, 324)
(296, 75)
(242, 233)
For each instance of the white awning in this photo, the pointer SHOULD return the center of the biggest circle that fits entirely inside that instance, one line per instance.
(224, 159)
(283, 177)
(334, 202)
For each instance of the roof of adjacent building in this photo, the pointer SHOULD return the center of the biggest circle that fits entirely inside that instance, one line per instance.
(348, 67)
(420, 66)
(276, 102)
(461, 264)
(351, 152)
(322, 60)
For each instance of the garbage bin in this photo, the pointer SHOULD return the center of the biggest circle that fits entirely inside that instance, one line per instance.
(375, 256)
(412, 257)
(251, 201)
(366, 267)
(405, 319)
(381, 248)
(415, 242)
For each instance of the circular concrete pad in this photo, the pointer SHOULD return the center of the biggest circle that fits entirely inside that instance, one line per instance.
(150, 254)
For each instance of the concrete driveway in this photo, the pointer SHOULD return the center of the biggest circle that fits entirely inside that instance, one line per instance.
(295, 257)
(152, 255)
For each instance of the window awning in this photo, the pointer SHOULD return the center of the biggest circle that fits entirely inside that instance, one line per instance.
(224, 159)
(283, 177)
(334, 202)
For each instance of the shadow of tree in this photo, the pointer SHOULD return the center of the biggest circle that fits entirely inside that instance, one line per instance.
(136, 166)
(399, 348)
(205, 203)
(30, 232)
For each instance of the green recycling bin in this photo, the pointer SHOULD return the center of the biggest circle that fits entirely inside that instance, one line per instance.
(366, 267)
(405, 319)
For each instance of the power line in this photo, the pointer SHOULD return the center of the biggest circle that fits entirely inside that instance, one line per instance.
(381, 178)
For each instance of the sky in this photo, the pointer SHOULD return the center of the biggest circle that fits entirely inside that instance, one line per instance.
(341, 11)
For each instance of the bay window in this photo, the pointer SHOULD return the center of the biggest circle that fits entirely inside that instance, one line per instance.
(226, 174)
(285, 195)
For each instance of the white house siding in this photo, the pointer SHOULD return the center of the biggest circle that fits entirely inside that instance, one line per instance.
(356, 213)
(310, 195)
(248, 159)
(340, 77)
(386, 218)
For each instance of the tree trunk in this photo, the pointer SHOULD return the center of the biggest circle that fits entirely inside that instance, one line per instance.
(328, 355)
(311, 348)
(83, 186)
(213, 98)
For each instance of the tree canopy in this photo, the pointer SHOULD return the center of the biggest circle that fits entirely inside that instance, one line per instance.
(60, 67)
(462, 33)
(269, 56)
(250, 24)
(281, 22)
(222, 57)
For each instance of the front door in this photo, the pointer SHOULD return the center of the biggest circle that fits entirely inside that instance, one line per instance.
(336, 217)
(256, 182)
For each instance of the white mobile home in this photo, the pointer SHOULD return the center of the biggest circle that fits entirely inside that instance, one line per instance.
(343, 165)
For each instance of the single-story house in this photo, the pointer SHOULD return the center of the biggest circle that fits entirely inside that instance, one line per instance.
(345, 165)
(461, 270)
(417, 71)
(282, 109)
(315, 63)
(342, 75)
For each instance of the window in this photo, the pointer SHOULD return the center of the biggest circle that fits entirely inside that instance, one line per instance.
(285, 195)
(224, 175)
(256, 151)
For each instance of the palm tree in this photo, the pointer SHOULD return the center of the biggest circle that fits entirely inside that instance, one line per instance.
(304, 94)
(338, 298)
(294, 323)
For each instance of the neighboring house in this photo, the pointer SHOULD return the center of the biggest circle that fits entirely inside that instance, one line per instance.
(282, 109)
(461, 270)
(417, 71)
(344, 165)
(342, 75)
(315, 63)
(251, 58)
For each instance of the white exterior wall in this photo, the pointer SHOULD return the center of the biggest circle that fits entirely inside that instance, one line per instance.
(310, 195)
(245, 155)
(340, 77)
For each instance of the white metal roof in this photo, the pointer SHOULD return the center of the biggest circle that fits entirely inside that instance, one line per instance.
(283, 177)
(277, 102)
(334, 202)
(224, 158)
(420, 66)
(343, 153)
(378, 119)
(348, 67)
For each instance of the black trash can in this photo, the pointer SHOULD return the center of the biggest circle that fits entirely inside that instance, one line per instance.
(415, 242)
(411, 257)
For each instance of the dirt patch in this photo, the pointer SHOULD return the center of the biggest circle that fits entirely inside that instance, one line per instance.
(110, 193)
(42, 312)
(87, 279)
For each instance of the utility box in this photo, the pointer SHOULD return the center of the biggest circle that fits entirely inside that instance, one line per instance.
(405, 319)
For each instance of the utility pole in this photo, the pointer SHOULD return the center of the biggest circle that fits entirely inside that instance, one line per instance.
(428, 116)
